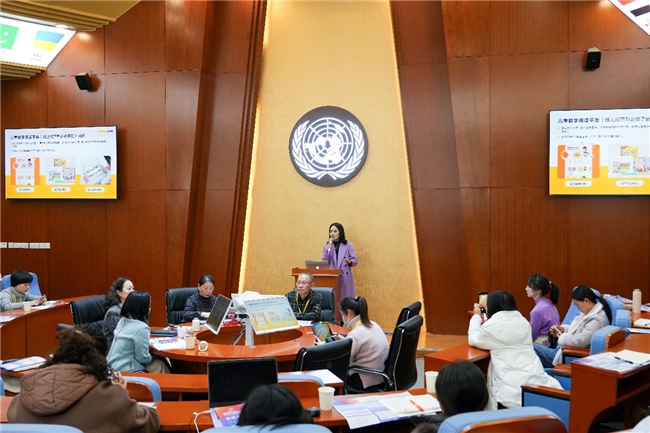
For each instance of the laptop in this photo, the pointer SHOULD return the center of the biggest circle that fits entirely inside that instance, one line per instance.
(218, 314)
(317, 264)
(230, 381)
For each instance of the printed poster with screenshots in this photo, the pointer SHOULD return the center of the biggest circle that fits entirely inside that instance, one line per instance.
(271, 314)
(600, 152)
(61, 163)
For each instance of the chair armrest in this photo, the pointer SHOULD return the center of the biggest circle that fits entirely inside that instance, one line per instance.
(577, 352)
(357, 368)
(562, 370)
(562, 394)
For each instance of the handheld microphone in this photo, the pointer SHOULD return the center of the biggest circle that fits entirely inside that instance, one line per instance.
(329, 245)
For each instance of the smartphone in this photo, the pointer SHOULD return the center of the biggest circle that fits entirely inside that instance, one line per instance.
(322, 330)
(482, 300)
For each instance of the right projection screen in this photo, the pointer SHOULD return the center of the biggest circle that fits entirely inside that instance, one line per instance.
(599, 152)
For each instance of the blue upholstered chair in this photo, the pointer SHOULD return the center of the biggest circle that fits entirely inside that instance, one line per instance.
(143, 388)
(2, 387)
(620, 316)
(289, 428)
(38, 428)
(523, 419)
(34, 288)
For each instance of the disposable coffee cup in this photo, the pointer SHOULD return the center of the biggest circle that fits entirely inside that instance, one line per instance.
(430, 378)
(203, 346)
(27, 306)
(190, 342)
(180, 331)
(325, 397)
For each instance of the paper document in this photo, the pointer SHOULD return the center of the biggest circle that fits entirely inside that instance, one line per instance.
(23, 364)
(167, 343)
(642, 322)
(633, 357)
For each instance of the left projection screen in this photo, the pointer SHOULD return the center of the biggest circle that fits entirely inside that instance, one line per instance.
(61, 163)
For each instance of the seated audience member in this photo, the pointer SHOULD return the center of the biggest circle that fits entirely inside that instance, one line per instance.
(273, 405)
(545, 313)
(200, 304)
(369, 344)
(74, 388)
(16, 295)
(594, 315)
(118, 292)
(460, 388)
(507, 335)
(130, 348)
(305, 303)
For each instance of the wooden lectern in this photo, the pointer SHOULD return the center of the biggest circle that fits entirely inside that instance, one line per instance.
(324, 278)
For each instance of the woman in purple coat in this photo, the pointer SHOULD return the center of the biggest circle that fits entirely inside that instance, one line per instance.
(340, 254)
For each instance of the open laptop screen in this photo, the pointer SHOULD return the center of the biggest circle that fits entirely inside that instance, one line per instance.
(230, 381)
(218, 314)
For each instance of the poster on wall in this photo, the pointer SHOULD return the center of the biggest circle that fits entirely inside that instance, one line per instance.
(600, 152)
(61, 163)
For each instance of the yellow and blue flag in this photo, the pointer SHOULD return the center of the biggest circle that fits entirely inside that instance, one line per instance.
(46, 40)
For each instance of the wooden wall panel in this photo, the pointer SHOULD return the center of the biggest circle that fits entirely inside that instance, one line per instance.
(69, 106)
(136, 41)
(469, 80)
(84, 53)
(604, 25)
(467, 28)
(184, 34)
(476, 220)
(79, 249)
(592, 89)
(608, 239)
(429, 126)
(178, 244)
(182, 109)
(24, 103)
(419, 20)
(136, 104)
(443, 257)
(528, 235)
(236, 24)
(522, 91)
(523, 27)
(136, 245)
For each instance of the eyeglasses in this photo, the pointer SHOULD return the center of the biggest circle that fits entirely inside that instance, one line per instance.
(303, 283)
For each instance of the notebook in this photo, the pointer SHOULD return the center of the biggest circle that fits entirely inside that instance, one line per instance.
(218, 314)
(230, 381)
(317, 264)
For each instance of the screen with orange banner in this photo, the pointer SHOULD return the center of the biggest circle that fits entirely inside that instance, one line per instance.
(61, 163)
(600, 152)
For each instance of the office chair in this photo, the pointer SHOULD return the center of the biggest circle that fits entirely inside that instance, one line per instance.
(399, 371)
(38, 428)
(407, 312)
(328, 305)
(2, 387)
(175, 300)
(34, 288)
(143, 388)
(89, 310)
(334, 356)
(303, 385)
(287, 428)
(522, 419)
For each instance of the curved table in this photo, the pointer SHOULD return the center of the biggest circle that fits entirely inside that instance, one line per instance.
(33, 333)
(283, 346)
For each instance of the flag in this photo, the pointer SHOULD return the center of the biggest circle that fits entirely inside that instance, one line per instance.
(47, 40)
(7, 36)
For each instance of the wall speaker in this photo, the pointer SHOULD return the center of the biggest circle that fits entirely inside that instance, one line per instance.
(83, 81)
(593, 58)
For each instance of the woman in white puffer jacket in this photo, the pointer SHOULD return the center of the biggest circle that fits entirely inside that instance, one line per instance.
(513, 362)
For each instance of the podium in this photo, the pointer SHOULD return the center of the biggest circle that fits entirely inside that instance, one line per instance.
(324, 278)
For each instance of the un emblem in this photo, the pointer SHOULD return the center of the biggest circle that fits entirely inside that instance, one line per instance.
(328, 146)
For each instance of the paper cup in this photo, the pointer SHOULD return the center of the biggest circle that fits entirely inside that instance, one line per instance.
(180, 331)
(325, 397)
(203, 346)
(190, 342)
(27, 306)
(431, 377)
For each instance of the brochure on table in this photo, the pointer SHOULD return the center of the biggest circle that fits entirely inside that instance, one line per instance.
(621, 362)
(271, 314)
(372, 410)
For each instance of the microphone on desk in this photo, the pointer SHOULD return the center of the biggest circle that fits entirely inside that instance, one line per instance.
(329, 244)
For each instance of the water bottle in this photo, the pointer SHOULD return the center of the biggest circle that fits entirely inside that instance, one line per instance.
(196, 325)
(636, 301)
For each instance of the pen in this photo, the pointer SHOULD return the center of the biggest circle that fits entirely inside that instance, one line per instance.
(624, 360)
(417, 405)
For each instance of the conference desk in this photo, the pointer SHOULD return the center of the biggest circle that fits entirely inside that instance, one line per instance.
(33, 333)
(178, 416)
(594, 391)
(283, 346)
